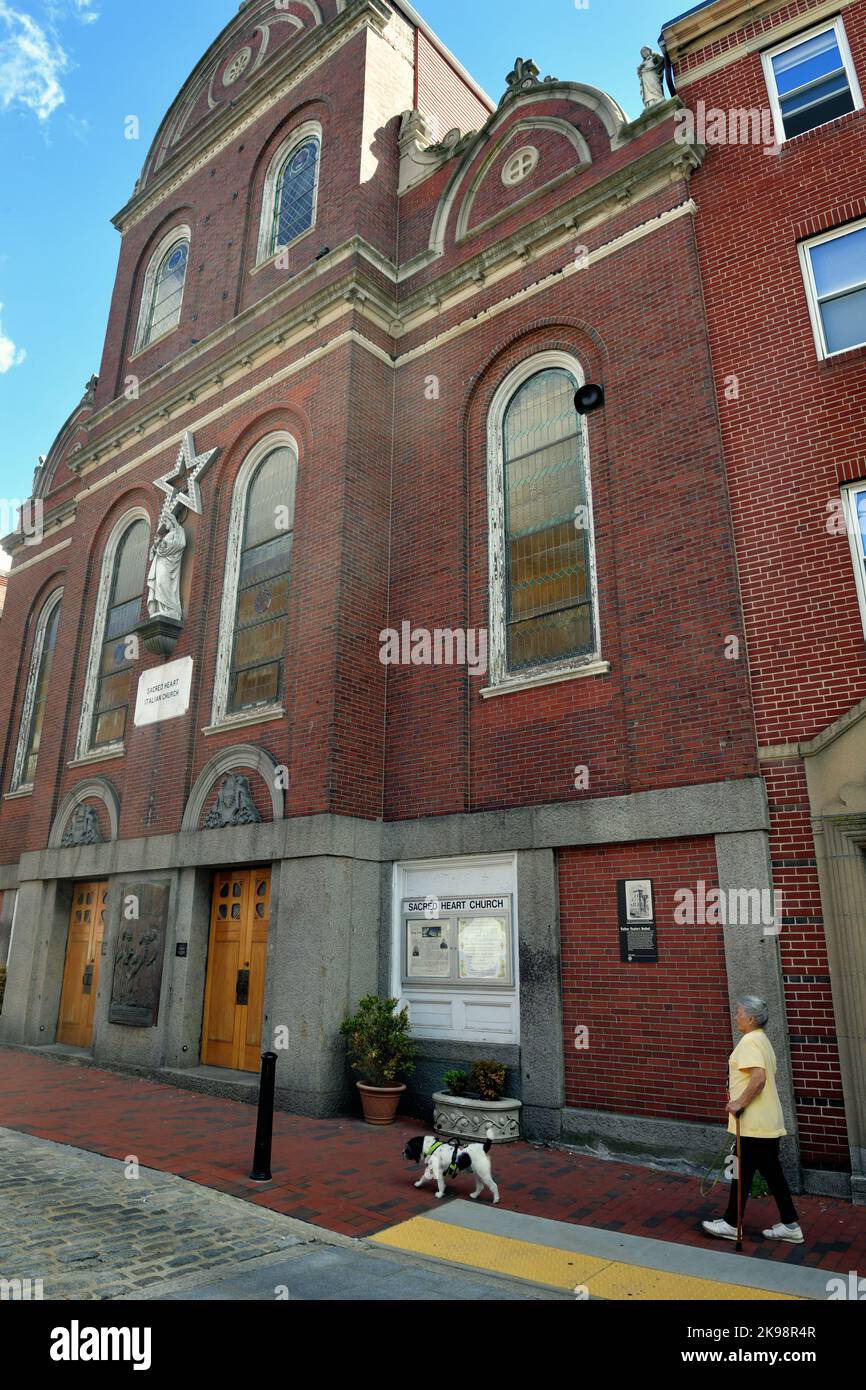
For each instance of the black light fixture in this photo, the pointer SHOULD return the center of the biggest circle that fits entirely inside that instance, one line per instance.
(588, 398)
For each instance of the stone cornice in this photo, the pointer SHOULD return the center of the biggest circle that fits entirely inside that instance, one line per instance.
(628, 184)
(287, 72)
(718, 22)
(52, 521)
(300, 320)
(355, 300)
(395, 316)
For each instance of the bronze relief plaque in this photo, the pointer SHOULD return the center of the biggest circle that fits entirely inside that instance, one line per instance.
(138, 956)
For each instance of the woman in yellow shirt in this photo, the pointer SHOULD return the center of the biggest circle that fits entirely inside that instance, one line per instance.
(753, 1095)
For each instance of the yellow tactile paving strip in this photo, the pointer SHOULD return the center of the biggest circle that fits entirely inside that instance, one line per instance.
(559, 1269)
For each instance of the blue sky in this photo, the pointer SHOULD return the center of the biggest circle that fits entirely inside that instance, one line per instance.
(71, 71)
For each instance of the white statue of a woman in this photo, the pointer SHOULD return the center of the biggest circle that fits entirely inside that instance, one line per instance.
(650, 74)
(163, 578)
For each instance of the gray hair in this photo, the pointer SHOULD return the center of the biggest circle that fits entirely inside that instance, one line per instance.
(755, 1007)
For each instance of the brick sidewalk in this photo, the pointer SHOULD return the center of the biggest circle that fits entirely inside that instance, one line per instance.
(351, 1177)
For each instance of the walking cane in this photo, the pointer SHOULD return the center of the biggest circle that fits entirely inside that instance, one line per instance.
(739, 1190)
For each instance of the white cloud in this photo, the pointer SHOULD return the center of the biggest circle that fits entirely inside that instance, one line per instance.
(31, 63)
(85, 11)
(10, 355)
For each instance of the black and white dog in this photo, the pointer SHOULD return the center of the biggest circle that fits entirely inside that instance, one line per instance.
(448, 1157)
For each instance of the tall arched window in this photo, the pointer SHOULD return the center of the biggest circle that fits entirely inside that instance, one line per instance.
(291, 191)
(162, 296)
(252, 650)
(543, 611)
(36, 694)
(110, 671)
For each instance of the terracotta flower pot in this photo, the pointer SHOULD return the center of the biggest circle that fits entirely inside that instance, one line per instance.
(380, 1102)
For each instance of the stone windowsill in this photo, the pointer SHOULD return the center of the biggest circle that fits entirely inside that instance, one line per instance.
(19, 791)
(257, 716)
(594, 668)
(101, 755)
(153, 342)
(269, 259)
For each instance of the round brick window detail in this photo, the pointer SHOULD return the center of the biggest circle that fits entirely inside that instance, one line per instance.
(237, 67)
(520, 165)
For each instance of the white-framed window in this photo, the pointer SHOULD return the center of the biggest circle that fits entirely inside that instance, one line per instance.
(834, 268)
(811, 80)
(111, 664)
(162, 294)
(36, 693)
(251, 653)
(291, 192)
(543, 607)
(854, 501)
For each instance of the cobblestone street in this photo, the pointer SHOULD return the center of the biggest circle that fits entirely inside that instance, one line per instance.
(90, 1227)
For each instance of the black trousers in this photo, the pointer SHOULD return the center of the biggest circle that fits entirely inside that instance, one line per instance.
(762, 1156)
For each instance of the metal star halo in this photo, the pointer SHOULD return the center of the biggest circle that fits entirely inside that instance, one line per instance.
(181, 483)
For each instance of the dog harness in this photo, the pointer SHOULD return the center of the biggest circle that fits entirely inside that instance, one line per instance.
(452, 1169)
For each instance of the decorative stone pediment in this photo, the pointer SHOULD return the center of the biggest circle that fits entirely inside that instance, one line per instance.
(256, 39)
(216, 789)
(77, 822)
(82, 828)
(234, 804)
(525, 77)
(418, 157)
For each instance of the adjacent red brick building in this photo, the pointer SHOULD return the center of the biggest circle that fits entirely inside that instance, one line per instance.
(434, 686)
(781, 231)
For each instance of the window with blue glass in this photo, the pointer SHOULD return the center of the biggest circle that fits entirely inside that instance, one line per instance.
(167, 295)
(811, 80)
(854, 498)
(295, 202)
(835, 270)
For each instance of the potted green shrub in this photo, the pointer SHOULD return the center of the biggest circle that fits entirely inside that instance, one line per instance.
(467, 1110)
(378, 1045)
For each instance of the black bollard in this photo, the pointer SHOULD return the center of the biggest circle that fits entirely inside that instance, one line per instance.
(265, 1124)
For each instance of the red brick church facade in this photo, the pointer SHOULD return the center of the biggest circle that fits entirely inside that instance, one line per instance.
(435, 687)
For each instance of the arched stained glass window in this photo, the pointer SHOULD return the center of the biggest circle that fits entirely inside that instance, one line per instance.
(548, 545)
(295, 200)
(264, 579)
(167, 293)
(114, 677)
(36, 696)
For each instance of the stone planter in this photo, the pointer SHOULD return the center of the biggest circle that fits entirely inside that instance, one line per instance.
(465, 1117)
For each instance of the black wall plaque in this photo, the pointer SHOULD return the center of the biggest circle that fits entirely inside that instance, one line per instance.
(181, 948)
(138, 956)
(637, 924)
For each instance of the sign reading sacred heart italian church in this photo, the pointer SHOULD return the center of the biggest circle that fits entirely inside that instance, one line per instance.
(163, 693)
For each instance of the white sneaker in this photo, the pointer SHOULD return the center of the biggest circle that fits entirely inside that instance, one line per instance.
(721, 1229)
(793, 1234)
